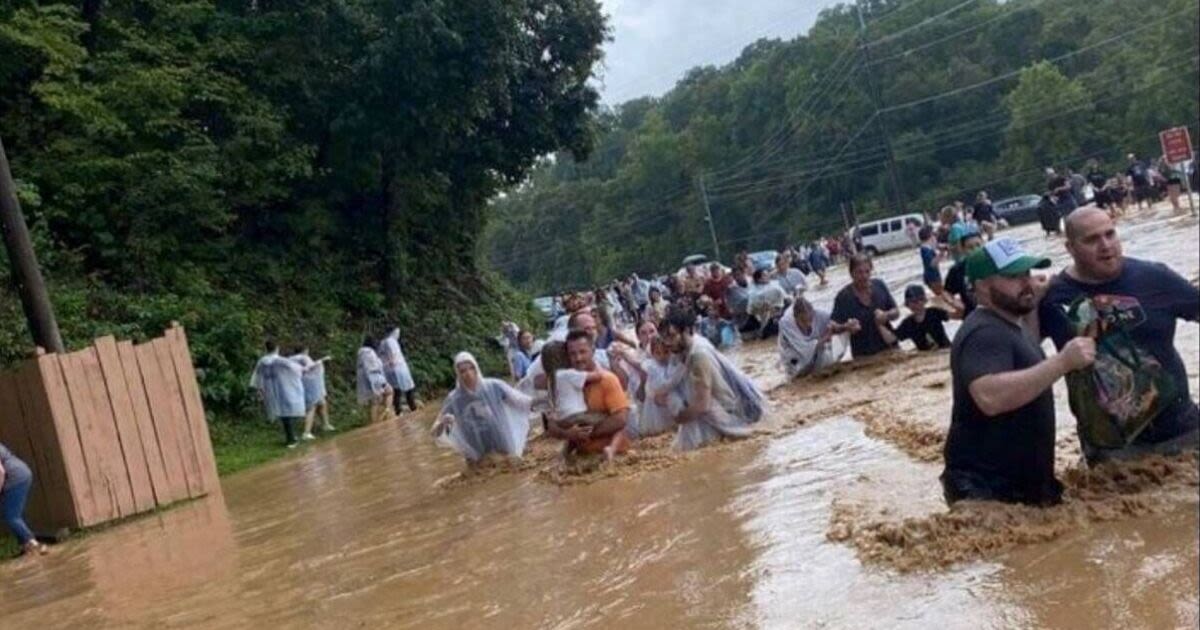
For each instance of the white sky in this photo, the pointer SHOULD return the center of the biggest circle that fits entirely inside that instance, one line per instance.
(656, 41)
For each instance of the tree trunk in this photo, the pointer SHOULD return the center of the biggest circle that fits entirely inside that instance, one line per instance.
(27, 275)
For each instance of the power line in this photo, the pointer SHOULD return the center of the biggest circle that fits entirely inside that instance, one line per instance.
(919, 25)
(998, 117)
(870, 163)
(1017, 72)
(941, 40)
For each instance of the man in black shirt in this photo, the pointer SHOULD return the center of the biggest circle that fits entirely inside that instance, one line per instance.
(925, 326)
(985, 215)
(1001, 441)
(1139, 173)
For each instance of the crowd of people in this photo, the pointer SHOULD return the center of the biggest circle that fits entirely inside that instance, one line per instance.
(1112, 319)
(598, 389)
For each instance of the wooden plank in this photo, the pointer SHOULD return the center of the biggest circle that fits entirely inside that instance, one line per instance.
(174, 400)
(15, 434)
(126, 423)
(49, 401)
(164, 428)
(91, 438)
(116, 472)
(194, 406)
(141, 413)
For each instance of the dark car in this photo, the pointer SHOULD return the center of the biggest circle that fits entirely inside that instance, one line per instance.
(1018, 210)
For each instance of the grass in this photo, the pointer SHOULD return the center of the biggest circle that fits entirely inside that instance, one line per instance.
(249, 442)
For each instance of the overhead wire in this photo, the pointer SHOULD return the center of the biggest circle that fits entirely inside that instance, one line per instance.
(718, 189)
(869, 163)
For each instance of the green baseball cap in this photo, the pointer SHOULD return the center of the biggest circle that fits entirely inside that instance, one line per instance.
(1001, 257)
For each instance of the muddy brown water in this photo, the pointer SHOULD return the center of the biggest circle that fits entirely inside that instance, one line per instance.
(376, 528)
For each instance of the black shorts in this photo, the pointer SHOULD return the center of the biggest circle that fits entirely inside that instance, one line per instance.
(970, 485)
(1142, 193)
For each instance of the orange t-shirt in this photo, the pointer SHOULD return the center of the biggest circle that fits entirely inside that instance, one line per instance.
(605, 395)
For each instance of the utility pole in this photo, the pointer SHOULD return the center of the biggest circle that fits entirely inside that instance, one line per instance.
(712, 229)
(873, 90)
(27, 275)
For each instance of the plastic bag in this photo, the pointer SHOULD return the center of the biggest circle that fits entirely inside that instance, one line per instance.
(1116, 398)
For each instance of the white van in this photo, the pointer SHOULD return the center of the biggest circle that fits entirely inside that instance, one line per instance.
(886, 235)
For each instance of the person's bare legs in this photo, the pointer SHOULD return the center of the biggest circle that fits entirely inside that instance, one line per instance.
(309, 416)
(323, 409)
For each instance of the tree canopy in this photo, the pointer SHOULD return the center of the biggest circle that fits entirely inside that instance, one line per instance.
(977, 95)
(301, 169)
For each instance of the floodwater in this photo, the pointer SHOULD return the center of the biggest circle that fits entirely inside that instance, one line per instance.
(831, 518)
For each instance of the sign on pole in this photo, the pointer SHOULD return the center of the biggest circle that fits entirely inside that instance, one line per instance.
(1177, 149)
(1176, 144)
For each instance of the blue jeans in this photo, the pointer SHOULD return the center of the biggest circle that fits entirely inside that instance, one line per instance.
(12, 501)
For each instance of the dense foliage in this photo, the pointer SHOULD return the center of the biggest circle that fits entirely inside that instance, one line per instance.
(301, 169)
(974, 95)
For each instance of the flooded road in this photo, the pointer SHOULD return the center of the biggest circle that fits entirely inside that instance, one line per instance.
(363, 531)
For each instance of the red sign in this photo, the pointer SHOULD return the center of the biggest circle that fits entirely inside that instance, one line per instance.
(1176, 144)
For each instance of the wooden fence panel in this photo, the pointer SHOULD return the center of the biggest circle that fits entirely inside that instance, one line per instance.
(174, 401)
(164, 424)
(44, 388)
(145, 423)
(194, 406)
(109, 431)
(91, 437)
(126, 423)
(109, 447)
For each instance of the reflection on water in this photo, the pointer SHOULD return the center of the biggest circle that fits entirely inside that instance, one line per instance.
(358, 532)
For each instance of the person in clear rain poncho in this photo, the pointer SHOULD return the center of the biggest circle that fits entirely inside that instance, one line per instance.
(720, 400)
(279, 382)
(395, 368)
(482, 415)
(807, 342)
(315, 395)
(371, 385)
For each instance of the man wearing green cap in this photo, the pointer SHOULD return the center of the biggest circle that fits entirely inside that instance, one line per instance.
(1001, 441)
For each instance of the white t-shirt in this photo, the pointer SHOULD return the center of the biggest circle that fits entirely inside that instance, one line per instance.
(568, 385)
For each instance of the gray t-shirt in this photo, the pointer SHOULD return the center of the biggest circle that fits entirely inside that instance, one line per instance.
(1013, 450)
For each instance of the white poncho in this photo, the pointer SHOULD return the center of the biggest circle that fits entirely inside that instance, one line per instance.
(370, 381)
(278, 379)
(492, 418)
(395, 366)
(801, 353)
(735, 403)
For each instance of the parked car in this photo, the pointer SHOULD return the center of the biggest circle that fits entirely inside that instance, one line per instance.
(764, 259)
(886, 235)
(1018, 210)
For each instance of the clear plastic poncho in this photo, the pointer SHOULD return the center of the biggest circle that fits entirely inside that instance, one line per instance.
(370, 381)
(279, 380)
(654, 418)
(492, 418)
(395, 366)
(735, 403)
(801, 353)
(313, 379)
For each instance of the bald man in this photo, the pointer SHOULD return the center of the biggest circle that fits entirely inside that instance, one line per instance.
(1145, 300)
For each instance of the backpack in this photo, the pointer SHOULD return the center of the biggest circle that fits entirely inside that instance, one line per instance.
(1126, 388)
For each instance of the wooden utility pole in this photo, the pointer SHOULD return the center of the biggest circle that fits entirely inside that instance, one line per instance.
(712, 228)
(27, 275)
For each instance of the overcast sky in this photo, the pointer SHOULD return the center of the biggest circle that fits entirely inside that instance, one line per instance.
(656, 41)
